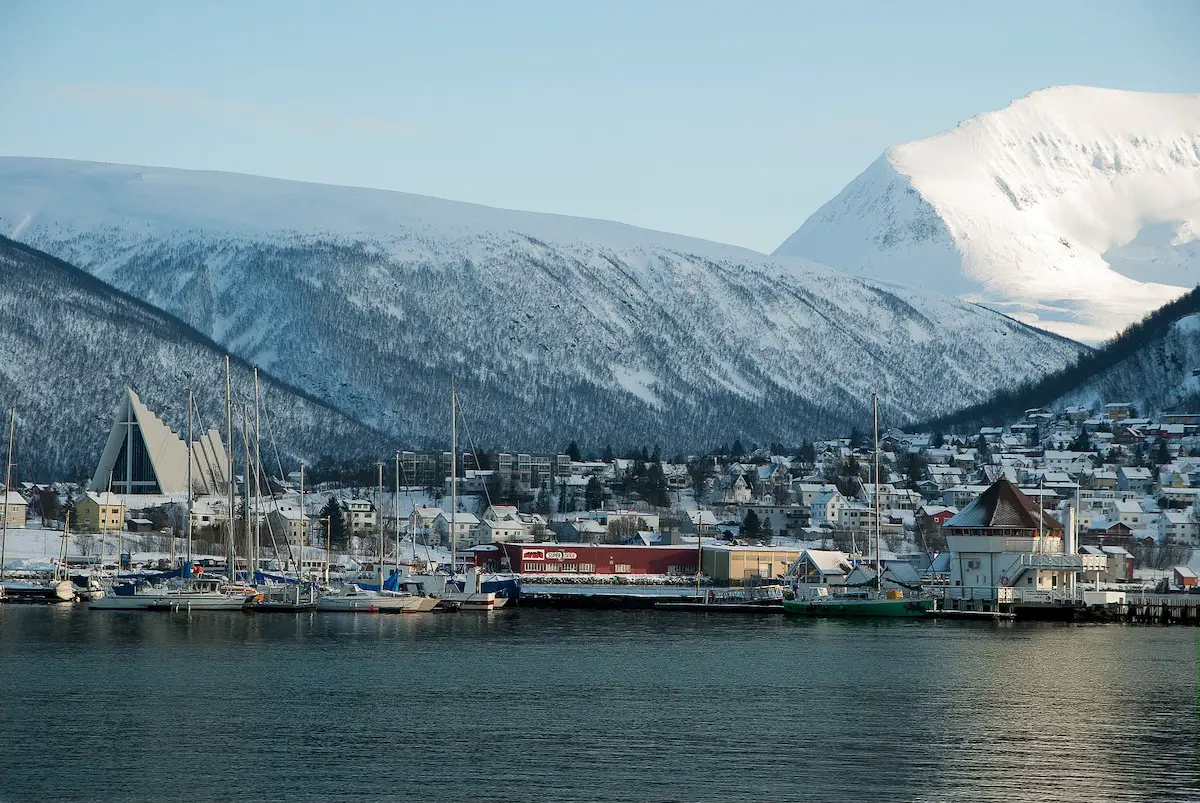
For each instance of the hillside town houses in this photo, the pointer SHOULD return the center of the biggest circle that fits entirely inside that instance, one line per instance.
(1131, 481)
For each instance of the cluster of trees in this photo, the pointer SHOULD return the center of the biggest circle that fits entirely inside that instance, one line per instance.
(647, 480)
(755, 529)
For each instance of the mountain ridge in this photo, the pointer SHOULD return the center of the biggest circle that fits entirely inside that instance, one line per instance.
(557, 329)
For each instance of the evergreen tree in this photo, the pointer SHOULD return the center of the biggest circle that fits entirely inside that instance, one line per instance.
(751, 527)
(573, 451)
(562, 497)
(738, 450)
(336, 522)
(938, 440)
(608, 455)
(68, 510)
(768, 533)
(594, 493)
(983, 450)
(1162, 456)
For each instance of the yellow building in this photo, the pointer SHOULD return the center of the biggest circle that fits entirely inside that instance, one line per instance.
(99, 511)
(736, 565)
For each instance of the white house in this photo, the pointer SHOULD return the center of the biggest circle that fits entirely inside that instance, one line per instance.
(464, 523)
(1177, 527)
(290, 523)
(825, 508)
(856, 516)
(820, 567)
(422, 518)
(1135, 478)
(805, 493)
(1072, 463)
(359, 514)
(1128, 513)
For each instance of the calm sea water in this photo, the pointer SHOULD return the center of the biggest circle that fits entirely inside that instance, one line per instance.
(588, 706)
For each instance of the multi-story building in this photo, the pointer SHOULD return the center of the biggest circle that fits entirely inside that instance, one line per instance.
(100, 511)
(359, 515)
(290, 522)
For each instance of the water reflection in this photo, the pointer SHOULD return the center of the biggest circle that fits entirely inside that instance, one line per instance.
(612, 706)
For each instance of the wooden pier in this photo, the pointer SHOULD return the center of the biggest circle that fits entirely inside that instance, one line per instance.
(1154, 609)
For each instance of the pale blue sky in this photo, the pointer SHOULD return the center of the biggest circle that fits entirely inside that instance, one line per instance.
(730, 121)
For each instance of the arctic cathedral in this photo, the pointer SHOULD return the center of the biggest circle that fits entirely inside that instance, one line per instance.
(144, 456)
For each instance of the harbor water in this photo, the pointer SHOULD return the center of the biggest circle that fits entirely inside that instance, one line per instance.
(550, 705)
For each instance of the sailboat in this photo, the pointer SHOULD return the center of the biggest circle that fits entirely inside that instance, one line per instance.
(473, 592)
(816, 600)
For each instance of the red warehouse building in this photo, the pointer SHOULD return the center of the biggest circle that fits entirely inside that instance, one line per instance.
(599, 559)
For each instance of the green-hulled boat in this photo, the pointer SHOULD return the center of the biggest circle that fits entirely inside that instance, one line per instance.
(856, 607)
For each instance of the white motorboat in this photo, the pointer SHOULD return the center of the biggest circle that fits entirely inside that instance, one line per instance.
(360, 600)
(472, 597)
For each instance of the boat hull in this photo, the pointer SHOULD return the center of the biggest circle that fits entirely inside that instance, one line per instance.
(34, 591)
(199, 602)
(480, 601)
(860, 608)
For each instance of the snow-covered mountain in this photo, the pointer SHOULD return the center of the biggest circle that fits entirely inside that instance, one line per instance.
(553, 327)
(1074, 209)
(71, 344)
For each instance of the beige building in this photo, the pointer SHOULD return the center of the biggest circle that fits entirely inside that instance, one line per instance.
(736, 565)
(17, 509)
(290, 521)
(96, 512)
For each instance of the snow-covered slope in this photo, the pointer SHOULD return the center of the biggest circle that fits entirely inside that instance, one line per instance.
(1152, 364)
(1075, 209)
(71, 344)
(553, 327)
(1158, 376)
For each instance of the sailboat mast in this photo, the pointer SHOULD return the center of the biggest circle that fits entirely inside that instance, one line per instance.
(230, 552)
(396, 512)
(12, 423)
(379, 524)
(187, 571)
(257, 477)
(453, 476)
(878, 566)
(120, 539)
(251, 558)
(303, 528)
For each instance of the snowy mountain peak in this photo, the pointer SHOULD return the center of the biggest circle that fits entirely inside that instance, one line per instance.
(1074, 208)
